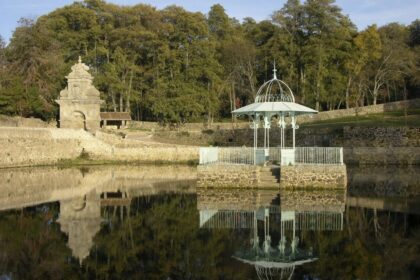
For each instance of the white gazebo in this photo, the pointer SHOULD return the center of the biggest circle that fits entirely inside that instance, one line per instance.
(274, 105)
(274, 99)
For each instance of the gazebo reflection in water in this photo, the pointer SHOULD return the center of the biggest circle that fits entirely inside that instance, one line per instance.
(284, 215)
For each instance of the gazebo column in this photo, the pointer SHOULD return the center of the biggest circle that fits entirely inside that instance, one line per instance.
(294, 129)
(266, 135)
(282, 125)
(255, 127)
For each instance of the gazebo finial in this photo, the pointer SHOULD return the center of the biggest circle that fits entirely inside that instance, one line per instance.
(274, 70)
(80, 59)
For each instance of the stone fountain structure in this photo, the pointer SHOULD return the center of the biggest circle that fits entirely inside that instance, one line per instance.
(80, 101)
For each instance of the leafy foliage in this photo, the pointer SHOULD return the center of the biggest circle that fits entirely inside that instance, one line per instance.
(176, 66)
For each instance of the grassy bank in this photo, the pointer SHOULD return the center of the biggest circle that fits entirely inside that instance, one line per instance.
(66, 163)
(409, 118)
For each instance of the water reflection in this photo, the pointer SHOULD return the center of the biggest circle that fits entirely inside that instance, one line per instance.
(83, 192)
(379, 181)
(277, 222)
(152, 223)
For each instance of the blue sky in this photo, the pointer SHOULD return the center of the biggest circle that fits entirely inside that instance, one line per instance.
(361, 12)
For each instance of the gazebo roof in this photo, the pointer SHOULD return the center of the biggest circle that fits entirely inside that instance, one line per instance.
(274, 107)
(274, 97)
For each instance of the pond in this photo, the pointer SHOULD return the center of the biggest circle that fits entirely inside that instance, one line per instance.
(151, 222)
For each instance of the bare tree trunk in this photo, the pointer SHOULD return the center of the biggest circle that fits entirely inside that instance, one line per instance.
(96, 59)
(249, 73)
(114, 103)
(362, 96)
(317, 100)
(209, 113)
(233, 102)
(127, 101)
(140, 107)
(302, 88)
(375, 93)
(405, 103)
(121, 103)
(348, 92)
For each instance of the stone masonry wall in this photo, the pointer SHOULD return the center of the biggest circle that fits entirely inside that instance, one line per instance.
(188, 126)
(20, 147)
(379, 137)
(313, 176)
(35, 146)
(347, 136)
(7, 121)
(326, 115)
(359, 111)
(225, 175)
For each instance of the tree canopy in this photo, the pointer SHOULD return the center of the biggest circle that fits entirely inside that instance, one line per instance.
(172, 65)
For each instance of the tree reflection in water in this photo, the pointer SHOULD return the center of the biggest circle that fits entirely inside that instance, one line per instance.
(172, 231)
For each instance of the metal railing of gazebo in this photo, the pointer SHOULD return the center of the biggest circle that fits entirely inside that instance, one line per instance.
(282, 156)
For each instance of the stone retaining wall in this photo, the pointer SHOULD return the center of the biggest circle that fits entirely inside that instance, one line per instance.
(360, 111)
(296, 176)
(378, 137)
(313, 176)
(326, 115)
(20, 147)
(228, 175)
(347, 136)
(7, 121)
(36, 146)
(187, 126)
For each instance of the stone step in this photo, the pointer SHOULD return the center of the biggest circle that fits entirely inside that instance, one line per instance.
(267, 175)
(269, 169)
(268, 184)
(269, 178)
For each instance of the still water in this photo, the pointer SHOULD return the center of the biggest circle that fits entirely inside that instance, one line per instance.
(151, 222)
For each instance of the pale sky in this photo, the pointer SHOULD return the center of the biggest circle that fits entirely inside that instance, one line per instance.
(361, 12)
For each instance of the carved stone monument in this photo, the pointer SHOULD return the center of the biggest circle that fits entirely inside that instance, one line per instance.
(79, 101)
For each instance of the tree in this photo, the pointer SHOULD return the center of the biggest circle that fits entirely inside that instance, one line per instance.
(36, 57)
(367, 48)
(219, 22)
(172, 65)
(327, 36)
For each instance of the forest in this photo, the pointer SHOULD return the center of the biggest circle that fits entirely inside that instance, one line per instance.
(176, 66)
